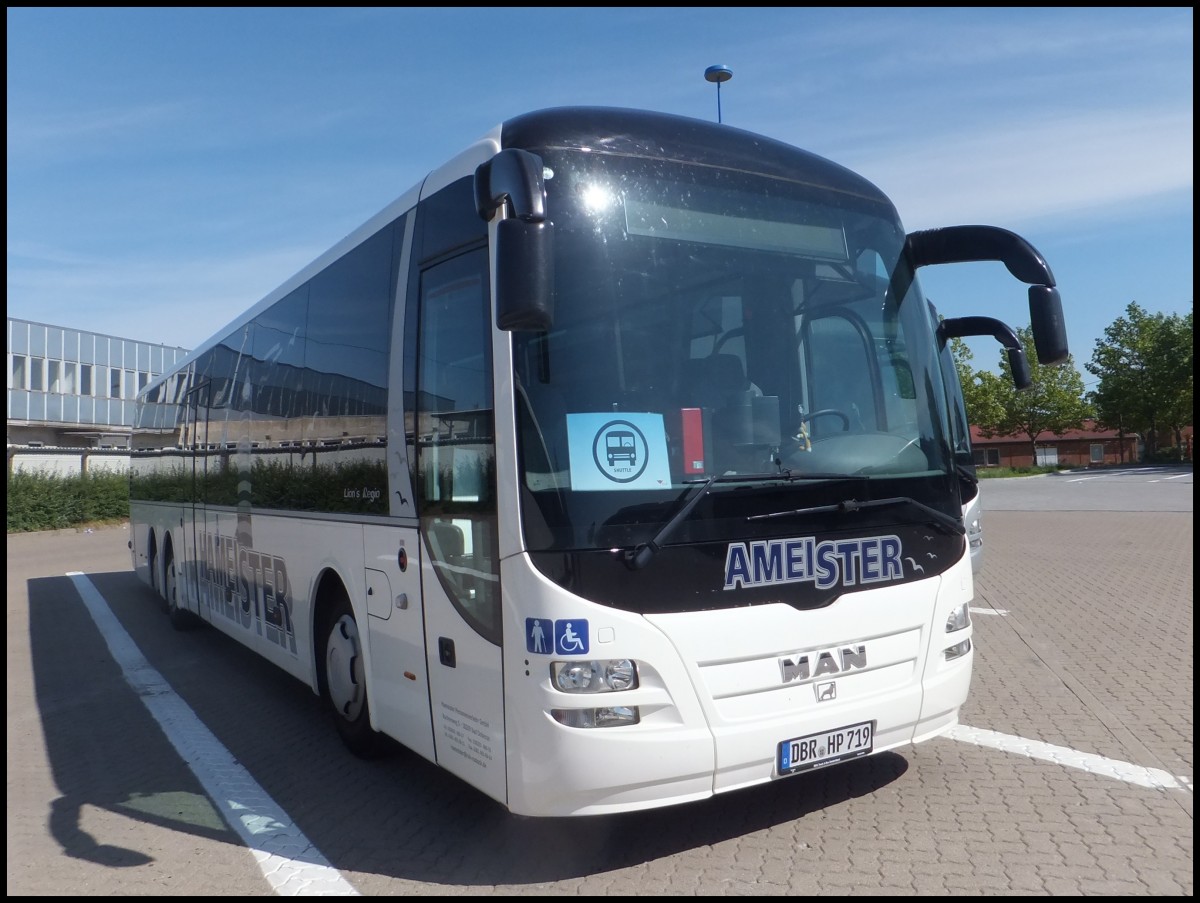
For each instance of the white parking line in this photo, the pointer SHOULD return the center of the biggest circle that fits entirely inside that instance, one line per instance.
(1071, 758)
(290, 863)
(989, 611)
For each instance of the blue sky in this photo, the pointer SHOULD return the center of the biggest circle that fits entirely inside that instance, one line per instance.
(169, 167)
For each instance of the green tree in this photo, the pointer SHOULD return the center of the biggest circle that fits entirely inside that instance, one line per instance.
(1177, 353)
(1054, 403)
(981, 388)
(1144, 366)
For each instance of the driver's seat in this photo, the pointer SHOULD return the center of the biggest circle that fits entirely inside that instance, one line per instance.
(711, 382)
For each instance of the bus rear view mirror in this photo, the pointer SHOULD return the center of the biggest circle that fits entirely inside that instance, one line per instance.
(512, 182)
(960, 327)
(963, 244)
(1049, 329)
(524, 275)
(1018, 363)
(960, 244)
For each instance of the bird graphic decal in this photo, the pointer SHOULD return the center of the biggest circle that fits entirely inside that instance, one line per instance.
(915, 566)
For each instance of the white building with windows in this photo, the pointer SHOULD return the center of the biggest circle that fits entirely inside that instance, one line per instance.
(70, 391)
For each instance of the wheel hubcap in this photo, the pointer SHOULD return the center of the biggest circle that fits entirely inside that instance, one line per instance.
(343, 668)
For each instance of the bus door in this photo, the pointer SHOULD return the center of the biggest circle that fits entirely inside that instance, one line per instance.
(221, 420)
(456, 498)
(223, 474)
(191, 563)
(395, 621)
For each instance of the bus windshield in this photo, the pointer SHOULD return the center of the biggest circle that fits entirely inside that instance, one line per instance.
(713, 322)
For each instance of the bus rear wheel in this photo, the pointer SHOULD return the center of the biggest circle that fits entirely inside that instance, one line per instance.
(181, 618)
(345, 684)
(156, 576)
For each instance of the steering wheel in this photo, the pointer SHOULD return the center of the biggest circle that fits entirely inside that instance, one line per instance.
(833, 412)
(867, 452)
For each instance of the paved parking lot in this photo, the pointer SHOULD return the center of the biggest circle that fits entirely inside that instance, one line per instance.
(1070, 773)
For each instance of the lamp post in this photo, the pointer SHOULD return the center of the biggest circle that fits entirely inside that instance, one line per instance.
(718, 74)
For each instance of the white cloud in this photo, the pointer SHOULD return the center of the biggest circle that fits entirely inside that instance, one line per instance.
(1032, 170)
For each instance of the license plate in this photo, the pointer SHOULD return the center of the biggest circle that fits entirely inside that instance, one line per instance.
(825, 748)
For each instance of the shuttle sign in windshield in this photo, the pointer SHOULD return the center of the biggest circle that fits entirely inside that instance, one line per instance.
(626, 451)
(845, 562)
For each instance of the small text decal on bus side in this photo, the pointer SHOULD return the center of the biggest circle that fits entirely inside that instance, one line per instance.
(845, 562)
(247, 587)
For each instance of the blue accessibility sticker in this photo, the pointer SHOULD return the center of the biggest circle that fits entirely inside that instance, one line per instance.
(571, 637)
(539, 637)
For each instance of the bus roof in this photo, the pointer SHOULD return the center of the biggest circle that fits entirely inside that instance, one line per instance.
(641, 133)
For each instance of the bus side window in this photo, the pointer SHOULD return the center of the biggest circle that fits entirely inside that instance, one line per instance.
(456, 448)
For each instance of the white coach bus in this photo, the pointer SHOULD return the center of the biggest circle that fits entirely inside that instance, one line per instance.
(610, 467)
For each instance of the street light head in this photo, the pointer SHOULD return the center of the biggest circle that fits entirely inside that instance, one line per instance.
(718, 74)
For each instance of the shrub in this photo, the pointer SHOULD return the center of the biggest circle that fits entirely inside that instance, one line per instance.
(39, 501)
(1170, 454)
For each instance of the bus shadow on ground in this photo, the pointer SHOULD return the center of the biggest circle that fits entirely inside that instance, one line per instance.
(104, 747)
(396, 816)
(517, 851)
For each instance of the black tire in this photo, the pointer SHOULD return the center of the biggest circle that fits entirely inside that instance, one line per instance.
(156, 577)
(181, 618)
(344, 683)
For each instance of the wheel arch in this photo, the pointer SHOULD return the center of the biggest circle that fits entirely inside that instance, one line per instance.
(165, 559)
(331, 596)
(168, 545)
(329, 588)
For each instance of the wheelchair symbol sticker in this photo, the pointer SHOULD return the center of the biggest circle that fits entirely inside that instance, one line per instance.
(571, 637)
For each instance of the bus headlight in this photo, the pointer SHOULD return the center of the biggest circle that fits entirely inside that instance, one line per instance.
(604, 676)
(960, 619)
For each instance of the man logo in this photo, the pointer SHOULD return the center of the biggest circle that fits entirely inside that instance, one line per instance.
(826, 691)
(828, 662)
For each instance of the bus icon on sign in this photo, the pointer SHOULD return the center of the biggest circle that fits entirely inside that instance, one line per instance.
(620, 451)
(619, 446)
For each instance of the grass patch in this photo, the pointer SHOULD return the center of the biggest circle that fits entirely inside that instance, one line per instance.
(985, 473)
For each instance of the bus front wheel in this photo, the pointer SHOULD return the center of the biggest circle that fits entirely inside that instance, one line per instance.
(345, 683)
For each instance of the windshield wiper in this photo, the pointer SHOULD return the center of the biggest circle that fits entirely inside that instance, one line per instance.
(953, 525)
(640, 557)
